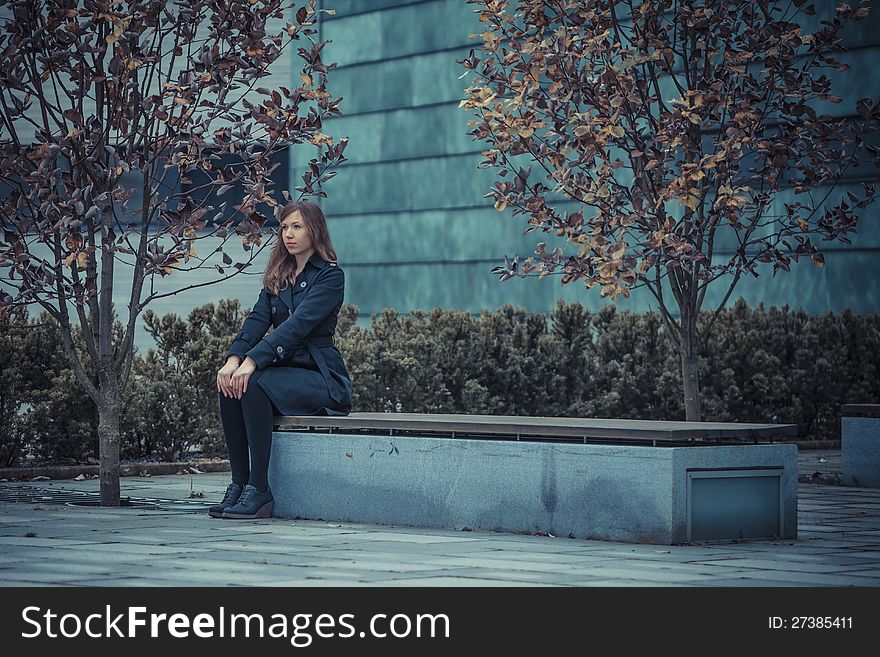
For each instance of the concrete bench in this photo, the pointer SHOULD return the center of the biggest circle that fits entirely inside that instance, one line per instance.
(860, 445)
(619, 480)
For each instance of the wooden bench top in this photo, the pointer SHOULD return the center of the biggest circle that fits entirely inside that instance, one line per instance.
(561, 428)
(861, 410)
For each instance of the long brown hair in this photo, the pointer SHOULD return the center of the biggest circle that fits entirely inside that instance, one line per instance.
(282, 265)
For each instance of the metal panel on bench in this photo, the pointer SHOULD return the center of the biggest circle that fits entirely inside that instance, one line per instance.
(740, 504)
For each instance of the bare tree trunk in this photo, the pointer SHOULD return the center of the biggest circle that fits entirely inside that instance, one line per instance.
(689, 367)
(109, 439)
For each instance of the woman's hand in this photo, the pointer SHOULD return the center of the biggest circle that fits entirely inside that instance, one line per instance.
(224, 375)
(239, 381)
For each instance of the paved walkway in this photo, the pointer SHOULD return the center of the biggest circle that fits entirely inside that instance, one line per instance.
(175, 543)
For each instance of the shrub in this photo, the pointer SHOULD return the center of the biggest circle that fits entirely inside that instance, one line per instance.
(757, 365)
(172, 402)
(13, 392)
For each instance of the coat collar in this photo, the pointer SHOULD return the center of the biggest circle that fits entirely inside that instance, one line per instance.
(287, 293)
(317, 261)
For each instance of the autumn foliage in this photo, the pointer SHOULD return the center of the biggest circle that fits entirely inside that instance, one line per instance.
(143, 135)
(679, 145)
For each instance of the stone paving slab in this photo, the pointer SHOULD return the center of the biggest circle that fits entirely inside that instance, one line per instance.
(25, 541)
(790, 565)
(641, 575)
(559, 560)
(838, 545)
(459, 582)
(32, 583)
(739, 581)
(35, 578)
(500, 574)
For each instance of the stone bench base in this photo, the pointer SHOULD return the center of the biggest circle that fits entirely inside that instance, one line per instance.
(640, 494)
(860, 451)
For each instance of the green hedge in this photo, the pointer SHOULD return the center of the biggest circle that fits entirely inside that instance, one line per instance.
(757, 365)
(43, 410)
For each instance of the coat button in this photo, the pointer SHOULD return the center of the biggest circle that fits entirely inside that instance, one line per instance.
(274, 309)
(279, 349)
(303, 284)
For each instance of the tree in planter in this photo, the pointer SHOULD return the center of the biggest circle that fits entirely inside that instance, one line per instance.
(674, 125)
(108, 112)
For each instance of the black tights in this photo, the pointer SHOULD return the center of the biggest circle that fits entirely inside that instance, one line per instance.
(247, 425)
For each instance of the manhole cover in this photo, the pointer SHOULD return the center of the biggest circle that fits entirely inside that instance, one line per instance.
(31, 495)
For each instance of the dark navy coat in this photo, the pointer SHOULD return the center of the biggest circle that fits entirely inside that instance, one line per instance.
(298, 366)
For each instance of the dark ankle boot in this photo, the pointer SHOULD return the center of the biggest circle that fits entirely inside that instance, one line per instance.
(252, 504)
(233, 492)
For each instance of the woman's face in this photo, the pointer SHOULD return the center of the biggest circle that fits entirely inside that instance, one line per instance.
(295, 235)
